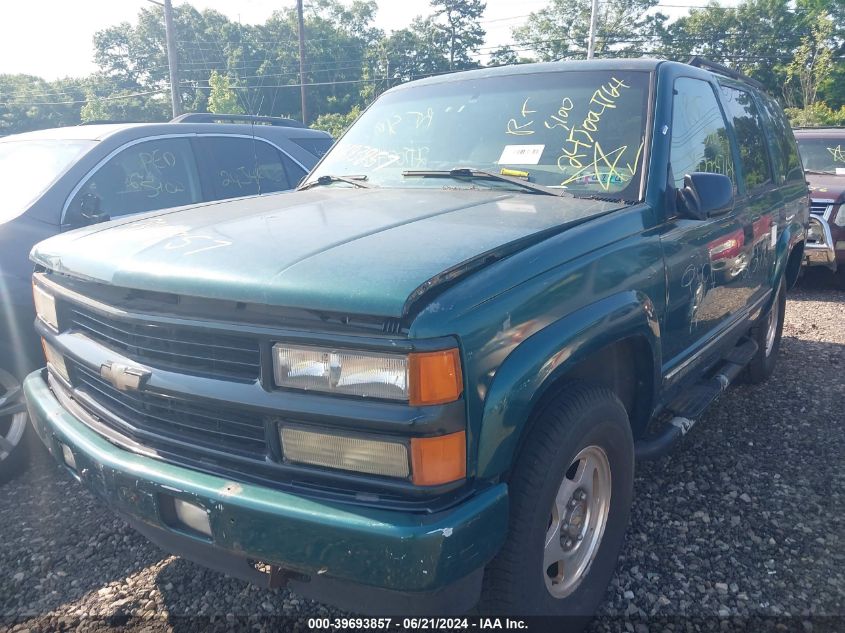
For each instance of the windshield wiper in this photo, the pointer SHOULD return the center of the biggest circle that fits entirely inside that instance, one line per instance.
(358, 181)
(478, 174)
(820, 171)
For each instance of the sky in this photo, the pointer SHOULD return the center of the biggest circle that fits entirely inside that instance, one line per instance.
(54, 38)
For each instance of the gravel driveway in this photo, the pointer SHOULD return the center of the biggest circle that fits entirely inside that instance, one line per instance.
(745, 519)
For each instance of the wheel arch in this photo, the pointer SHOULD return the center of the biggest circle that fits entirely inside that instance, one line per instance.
(614, 343)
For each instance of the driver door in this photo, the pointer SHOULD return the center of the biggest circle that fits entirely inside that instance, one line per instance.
(707, 261)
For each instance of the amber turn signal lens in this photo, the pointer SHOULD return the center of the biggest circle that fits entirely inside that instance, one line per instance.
(435, 377)
(438, 460)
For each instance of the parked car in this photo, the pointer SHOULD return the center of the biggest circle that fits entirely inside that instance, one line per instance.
(823, 153)
(422, 380)
(64, 178)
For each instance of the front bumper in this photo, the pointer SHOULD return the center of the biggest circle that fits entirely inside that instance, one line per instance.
(822, 251)
(361, 558)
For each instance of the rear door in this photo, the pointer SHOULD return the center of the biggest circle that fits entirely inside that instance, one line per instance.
(235, 166)
(759, 196)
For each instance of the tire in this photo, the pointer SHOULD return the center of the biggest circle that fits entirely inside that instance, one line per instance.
(767, 334)
(577, 427)
(14, 429)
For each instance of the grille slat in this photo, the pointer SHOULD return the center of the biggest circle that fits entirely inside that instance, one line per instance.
(175, 419)
(819, 208)
(185, 349)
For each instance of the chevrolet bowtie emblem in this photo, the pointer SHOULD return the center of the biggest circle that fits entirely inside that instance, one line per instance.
(124, 377)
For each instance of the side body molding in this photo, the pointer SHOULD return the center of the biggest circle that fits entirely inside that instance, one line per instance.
(533, 366)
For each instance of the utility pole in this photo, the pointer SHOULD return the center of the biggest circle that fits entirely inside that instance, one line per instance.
(302, 61)
(594, 14)
(171, 57)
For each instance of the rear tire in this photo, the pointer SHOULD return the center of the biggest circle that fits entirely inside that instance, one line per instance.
(573, 482)
(767, 334)
(14, 430)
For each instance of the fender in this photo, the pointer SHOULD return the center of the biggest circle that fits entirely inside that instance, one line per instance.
(792, 234)
(535, 364)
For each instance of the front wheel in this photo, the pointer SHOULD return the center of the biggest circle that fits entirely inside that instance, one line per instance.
(570, 496)
(767, 333)
(13, 426)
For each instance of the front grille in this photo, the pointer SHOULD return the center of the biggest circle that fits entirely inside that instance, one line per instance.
(176, 347)
(140, 414)
(819, 208)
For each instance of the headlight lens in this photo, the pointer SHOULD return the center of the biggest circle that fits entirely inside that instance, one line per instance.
(839, 218)
(427, 461)
(55, 360)
(45, 306)
(341, 371)
(815, 232)
(345, 453)
(417, 378)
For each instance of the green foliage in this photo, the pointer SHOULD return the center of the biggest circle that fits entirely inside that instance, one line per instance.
(813, 61)
(31, 103)
(222, 98)
(506, 55)
(459, 21)
(815, 115)
(336, 124)
(561, 29)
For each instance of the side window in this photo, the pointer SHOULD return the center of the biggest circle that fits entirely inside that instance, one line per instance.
(785, 146)
(699, 135)
(748, 127)
(295, 172)
(232, 170)
(271, 170)
(147, 176)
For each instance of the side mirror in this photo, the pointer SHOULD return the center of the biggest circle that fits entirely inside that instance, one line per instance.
(90, 209)
(705, 195)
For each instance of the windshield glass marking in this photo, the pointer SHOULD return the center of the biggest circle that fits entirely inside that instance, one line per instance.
(822, 154)
(575, 130)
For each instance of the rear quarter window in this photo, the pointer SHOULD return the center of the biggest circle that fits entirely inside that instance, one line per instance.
(750, 137)
(783, 142)
(314, 145)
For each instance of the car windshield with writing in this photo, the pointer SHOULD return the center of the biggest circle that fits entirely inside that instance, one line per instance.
(579, 132)
(27, 168)
(823, 154)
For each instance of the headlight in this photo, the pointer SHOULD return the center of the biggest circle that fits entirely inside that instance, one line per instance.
(45, 306)
(417, 378)
(428, 461)
(55, 360)
(839, 218)
(815, 232)
(345, 453)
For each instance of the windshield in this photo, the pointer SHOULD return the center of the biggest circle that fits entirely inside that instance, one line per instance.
(578, 130)
(826, 154)
(27, 168)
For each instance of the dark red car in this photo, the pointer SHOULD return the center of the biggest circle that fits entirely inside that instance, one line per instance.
(823, 153)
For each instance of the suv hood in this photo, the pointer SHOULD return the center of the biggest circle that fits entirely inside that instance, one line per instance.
(355, 251)
(826, 187)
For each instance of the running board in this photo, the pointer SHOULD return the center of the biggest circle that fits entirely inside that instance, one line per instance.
(688, 407)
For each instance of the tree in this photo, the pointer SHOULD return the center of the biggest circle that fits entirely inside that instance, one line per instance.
(561, 30)
(464, 34)
(815, 115)
(222, 98)
(813, 61)
(336, 124)
(506, 55)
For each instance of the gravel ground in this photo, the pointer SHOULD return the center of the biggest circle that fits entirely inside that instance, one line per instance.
(743, 523)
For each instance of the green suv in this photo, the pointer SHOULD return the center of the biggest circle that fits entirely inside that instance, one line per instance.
(421, 380)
